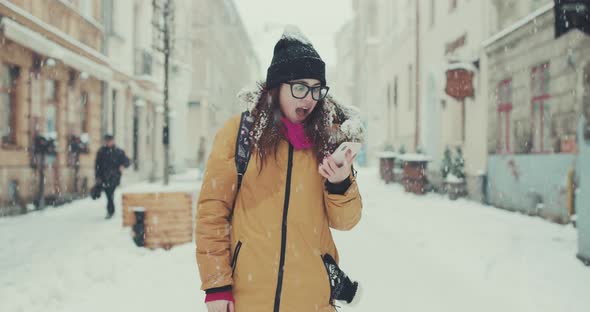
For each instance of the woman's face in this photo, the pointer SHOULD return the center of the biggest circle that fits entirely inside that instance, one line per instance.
(294, 109)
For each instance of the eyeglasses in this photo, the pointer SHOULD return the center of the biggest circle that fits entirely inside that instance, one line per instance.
(300, 91)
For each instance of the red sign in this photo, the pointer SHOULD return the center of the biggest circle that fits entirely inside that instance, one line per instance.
(459, 83)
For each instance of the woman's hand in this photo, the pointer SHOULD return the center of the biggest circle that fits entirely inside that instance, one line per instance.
(220, 306)
(335, 173)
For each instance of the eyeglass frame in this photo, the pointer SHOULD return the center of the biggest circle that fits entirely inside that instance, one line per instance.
(309, 89)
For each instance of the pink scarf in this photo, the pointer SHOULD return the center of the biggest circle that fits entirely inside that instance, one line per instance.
(295, 133)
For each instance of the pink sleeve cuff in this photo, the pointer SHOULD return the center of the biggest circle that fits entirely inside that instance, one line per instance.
(224, 295)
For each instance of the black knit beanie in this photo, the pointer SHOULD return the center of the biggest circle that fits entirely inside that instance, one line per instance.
(294, 58)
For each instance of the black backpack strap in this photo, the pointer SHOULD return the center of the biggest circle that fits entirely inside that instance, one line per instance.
(243, 147)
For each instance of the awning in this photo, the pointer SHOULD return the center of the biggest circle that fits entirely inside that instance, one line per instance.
(36, 42)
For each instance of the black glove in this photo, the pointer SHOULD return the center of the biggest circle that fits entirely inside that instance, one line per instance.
(341, 287)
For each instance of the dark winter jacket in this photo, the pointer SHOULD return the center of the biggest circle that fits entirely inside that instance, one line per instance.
(108, 161)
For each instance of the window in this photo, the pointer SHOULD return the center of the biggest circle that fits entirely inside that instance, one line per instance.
(452, 5)
(373, 19)
(86, 8)
(541, 118)
(394, 16)
(148, 123)
(108, 16)
(114, 113)
(395, 91)
(389, 104)
(8, 79)
(143, 62)
(410, 86)
(84, 108)
(50, 100)
(13, 192)
(50, 117)
(504, 110)
(388, 96)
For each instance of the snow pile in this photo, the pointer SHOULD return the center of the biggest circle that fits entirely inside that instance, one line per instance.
(451, 178)
(388, 154)
(415, 157)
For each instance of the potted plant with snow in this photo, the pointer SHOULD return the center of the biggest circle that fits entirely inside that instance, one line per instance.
(386, 163)
(455, 179)
(415, 179)
(445, 168)
(398, 168)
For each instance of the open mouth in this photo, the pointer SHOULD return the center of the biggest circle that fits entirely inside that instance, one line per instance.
(302, 111)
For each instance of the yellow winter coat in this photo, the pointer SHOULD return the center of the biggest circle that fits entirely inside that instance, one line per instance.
(271, 251)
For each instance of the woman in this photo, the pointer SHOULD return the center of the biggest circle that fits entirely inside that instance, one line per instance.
(260, 249)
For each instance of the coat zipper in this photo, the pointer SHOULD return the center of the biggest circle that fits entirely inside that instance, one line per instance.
(284, 231)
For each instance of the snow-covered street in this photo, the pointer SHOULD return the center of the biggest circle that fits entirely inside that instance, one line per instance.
(410, 254)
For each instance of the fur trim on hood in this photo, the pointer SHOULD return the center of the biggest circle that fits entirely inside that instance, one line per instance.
(344, 120)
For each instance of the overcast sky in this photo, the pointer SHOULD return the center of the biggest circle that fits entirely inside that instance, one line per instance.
(318, 19)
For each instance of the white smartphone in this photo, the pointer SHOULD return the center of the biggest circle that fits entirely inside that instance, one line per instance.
(339, 154)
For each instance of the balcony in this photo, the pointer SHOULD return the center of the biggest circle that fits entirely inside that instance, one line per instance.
(143, 63)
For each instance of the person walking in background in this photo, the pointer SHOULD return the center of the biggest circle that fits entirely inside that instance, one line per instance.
(109, 164)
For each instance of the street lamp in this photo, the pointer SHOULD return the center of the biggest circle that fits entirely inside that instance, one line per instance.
(163, 23)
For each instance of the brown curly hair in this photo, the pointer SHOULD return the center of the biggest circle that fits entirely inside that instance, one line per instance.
(321, 126)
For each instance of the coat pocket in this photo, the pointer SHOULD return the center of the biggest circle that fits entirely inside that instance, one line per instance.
(234, 261)
(329, 282)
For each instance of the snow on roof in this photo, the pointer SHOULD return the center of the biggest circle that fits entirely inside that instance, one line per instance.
(415, 157)
(525, 20)
(461, 65)
(387, 154)
(451, 178)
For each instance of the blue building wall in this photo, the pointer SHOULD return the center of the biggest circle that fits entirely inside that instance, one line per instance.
(534, 184)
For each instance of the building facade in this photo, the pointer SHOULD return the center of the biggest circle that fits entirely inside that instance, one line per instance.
(223, 62)
(537, 82)
(53, 76)
(73, 71)
(403, 53)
